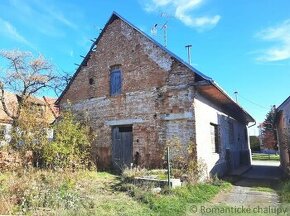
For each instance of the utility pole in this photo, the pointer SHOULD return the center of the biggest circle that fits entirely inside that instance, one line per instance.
(188, 47)
(236, 96)
(168, 167)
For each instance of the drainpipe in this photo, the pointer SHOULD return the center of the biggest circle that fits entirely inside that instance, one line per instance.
(252, 125)
(249, 143)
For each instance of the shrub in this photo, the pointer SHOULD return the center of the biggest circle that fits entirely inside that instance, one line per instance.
(184, 162)
(29, 133)
(71, 145)
(36, 191)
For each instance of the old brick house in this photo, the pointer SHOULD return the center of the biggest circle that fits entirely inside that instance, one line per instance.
(282, 125)
(44, 106)
(137, 95)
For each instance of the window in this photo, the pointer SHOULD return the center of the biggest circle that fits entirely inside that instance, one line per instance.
(91, 81)
(115, 82)
(214, 134)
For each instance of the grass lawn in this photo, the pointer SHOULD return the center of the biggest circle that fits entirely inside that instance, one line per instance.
(257, 156)
(55, 193)
(284, 192)
(263, 189)
(43, 192)
(180, 201)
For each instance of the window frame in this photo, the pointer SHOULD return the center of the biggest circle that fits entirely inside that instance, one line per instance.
(216, 146)
(119, 91)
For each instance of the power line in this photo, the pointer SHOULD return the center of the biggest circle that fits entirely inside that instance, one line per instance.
(254, 103)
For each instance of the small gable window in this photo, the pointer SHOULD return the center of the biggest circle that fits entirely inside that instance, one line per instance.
(91, 81)
(115, 82)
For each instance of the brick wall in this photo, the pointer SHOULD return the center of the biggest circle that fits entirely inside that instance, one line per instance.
(155, 89)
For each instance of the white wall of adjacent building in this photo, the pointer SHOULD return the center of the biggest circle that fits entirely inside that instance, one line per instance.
(232, 137)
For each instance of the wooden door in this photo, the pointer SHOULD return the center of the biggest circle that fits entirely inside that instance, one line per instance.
(122, 146)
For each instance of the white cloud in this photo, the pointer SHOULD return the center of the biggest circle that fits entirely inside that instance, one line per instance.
(42, 16)
(54, 13)
(181, 10)
(280, 36)
(7, 29)
(202, 21)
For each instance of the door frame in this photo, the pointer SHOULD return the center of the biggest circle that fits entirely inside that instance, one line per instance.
(122, 161)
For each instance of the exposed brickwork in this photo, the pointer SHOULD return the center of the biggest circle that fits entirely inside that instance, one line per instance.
(154, 86)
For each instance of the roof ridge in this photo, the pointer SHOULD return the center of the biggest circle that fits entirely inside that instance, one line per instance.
(113, 15)
(163, 48)
(197, 72)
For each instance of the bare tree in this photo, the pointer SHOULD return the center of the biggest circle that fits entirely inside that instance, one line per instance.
(62, 80)
(24, 75)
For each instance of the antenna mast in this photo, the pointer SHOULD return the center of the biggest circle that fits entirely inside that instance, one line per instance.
(164, 27)
(236, 96)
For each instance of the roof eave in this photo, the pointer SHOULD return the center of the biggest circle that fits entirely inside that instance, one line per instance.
(114, 16)
(249, 117)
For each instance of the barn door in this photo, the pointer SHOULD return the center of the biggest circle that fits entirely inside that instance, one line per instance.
(122, 146)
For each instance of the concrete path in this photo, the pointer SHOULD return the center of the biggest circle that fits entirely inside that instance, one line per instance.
(254, 188)
(266, 163)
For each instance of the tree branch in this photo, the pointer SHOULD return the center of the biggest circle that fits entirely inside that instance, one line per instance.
(3, 102)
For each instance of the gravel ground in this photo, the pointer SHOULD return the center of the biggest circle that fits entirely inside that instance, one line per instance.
(255, 187)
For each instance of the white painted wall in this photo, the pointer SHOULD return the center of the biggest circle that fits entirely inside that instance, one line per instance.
(206, 113)
(7, 136)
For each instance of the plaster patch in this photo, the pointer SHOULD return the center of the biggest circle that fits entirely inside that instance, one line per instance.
(126, 31)
(162, 59)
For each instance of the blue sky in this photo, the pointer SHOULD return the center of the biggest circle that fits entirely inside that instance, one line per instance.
(243, 45)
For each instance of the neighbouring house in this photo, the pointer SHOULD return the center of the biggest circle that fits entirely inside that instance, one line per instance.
(137, 95)
(45, 106)
(282, 125)
(5, 120)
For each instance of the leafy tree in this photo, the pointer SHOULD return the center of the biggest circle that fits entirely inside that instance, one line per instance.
(255, 143)
(268, 132)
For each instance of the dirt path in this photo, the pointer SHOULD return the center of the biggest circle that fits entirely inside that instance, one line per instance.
(254, 188)
(249, 192)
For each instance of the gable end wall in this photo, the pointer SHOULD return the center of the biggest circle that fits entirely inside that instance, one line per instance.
(156, 95)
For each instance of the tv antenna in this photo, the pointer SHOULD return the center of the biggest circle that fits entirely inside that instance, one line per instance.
(154, 32)
(164, 26)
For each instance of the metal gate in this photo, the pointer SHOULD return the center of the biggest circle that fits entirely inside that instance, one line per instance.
(122, 146)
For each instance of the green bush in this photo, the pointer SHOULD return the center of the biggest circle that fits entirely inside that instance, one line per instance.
(255, 143)
(71, 144)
